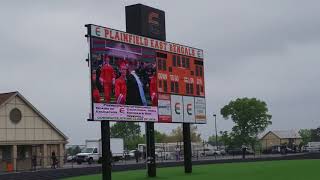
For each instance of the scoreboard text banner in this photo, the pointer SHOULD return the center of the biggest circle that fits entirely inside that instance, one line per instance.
(113, 112)
(115, 35)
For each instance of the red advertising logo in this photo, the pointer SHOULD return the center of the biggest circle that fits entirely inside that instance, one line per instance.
(189, 109)
(177, 108)
(153, 20)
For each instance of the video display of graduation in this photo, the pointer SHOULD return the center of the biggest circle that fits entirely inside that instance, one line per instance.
(123, 74)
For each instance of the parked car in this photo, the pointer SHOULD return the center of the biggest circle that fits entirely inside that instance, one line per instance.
(312, 147)
(282, 149)
(211, 152)
(222, 152)
(160, 154)
(71, 158)
(238, 151)
(129, 154)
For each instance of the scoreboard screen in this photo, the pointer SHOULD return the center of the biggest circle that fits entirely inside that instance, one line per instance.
(180, 84)
(136, 78)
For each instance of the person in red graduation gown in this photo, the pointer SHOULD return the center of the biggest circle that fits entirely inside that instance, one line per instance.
(120, 85)
(107, 78)
(153, 90)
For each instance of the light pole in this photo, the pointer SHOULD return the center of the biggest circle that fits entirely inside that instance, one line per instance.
(215, 126)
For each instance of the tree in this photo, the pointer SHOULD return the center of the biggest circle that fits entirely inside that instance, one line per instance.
(212, 140)
(76, 150)
(69, 151)
(195, 137)
(159, 137)
(176, 135)
(315, 134)
(305, 135)
(73, 150)
(225, 138)
(250, 116)
(132, 143)
(129, 131)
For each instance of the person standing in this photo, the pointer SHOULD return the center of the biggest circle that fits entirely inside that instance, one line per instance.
(97, 78)
(54, 160)
(153, 90)
(34, 162)
(135, 91)
(120, 85)
(95, 94)
(107, 78)
(244, 151)
(136, 155)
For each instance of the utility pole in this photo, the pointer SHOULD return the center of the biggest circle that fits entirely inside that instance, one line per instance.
(215, 126)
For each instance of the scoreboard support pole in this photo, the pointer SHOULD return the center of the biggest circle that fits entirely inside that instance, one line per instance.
(151, 160)
(106, 152)
(187, 148)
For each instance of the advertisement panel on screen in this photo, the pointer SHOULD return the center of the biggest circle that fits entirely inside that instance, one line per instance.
(177, 108)
(164, 108)
(135, 78)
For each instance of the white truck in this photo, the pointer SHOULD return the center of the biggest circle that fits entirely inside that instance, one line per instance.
(312, 147)
(93, 150)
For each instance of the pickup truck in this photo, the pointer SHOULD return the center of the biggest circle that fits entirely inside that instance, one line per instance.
(93, 151)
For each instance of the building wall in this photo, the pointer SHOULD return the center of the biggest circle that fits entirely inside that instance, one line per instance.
(271, 139)
(31, 127)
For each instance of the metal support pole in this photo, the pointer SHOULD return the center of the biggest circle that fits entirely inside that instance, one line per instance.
(151, 160)
(187, 148)
(215, 126)
(106, 153)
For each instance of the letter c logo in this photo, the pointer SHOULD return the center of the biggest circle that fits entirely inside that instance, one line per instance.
(177, 108)
(121, 110)
(153, 22)
(153, 18)
(189, 109)
(98, 31)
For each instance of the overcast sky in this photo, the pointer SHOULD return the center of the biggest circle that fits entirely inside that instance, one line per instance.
(264, 49)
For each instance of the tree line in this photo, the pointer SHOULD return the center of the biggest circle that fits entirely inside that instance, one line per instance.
(250, 116)
(131, 134)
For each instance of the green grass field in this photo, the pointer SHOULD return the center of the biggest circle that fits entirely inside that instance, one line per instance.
(269, 170)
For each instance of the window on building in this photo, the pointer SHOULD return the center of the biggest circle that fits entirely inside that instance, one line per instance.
(160, 84)
(22, 152)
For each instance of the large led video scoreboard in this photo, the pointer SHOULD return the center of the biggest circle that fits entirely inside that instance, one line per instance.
(136, 78)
